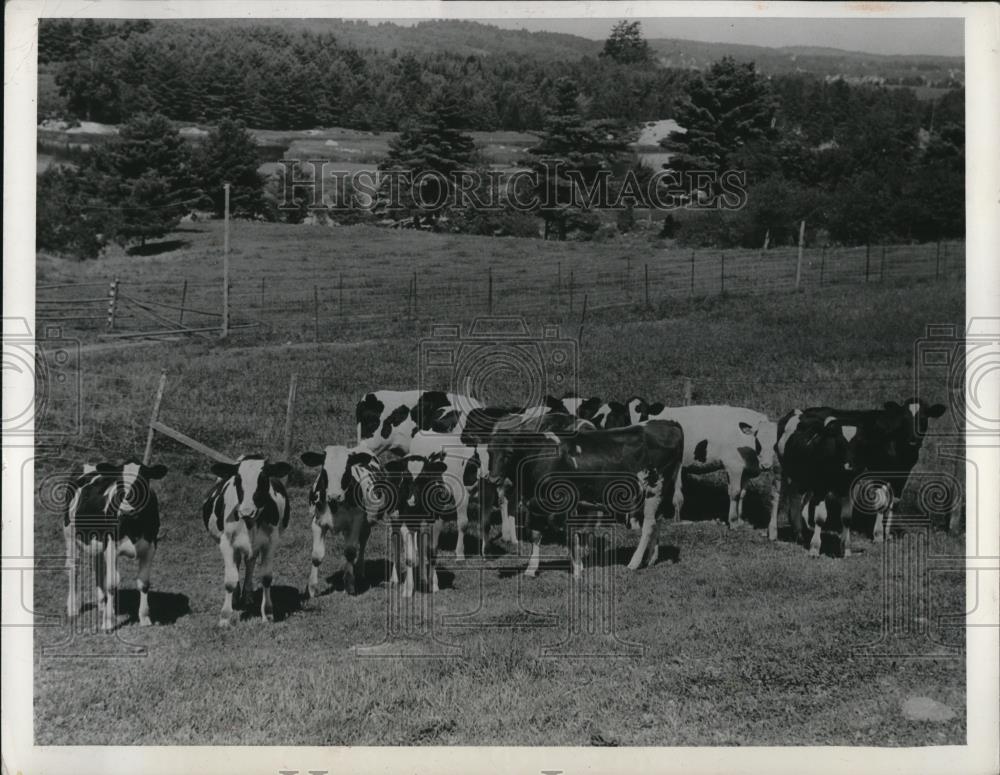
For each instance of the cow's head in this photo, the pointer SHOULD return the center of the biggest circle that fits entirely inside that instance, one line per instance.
(612, 414)
(128, 490)
(418, 483)
(899, 434)
(764, 434)
(920, 412)
(345, 475)
(249, 483)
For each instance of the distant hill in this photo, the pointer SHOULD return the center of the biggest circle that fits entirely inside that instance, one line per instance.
(472, 38)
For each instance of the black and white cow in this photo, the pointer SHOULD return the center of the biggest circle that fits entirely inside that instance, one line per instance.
(719, 438)
(602, 414)
(884, 445)
(246, 511)
(593, 470)
(387, 419)
(817, 468)
(112, 512)
(345, 499)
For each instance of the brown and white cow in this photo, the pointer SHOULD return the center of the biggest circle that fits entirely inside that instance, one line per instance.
(112, 512)
(246, 511)
(345, 498)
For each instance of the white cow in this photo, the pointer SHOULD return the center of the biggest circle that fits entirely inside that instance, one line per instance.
(730, 438)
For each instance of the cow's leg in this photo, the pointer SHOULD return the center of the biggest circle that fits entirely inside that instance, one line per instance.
(249, 565)
(508, 529)
(462, 513)
(576, 556)
(318, 553)
(409, 559)
(735, 495)
(888, 516)
(359, 563)
(533, 521)
(845, 524)
(144, 551)
(110, 583)
(266, 576)
(99, 575)
(72, 601)
(435, 535)
(772, 525)
(677, 501)
(395, 553)
(817, 518)
(648, 542)
(232, 576)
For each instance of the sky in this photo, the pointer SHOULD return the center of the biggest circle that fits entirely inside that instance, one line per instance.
(942, 37)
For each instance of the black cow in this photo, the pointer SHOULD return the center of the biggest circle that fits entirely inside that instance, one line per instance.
(817, 468)
(626, 471)
(345, 499)
(884, 444)
(112, 512)
(246, 511)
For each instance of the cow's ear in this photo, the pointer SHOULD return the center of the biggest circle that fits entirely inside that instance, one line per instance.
(936, 411)
(224, 470)
(154, 472)
(278, 469)
(746, 428)
(656, 408)
(313, 459)
(107, 468)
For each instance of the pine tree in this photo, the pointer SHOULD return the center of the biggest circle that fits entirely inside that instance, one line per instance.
(229, 155)
(728, 107)
(626, 45)
(435, 143)
(572, 151)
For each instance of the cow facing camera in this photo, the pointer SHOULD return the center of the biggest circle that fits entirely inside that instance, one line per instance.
(41, 376)
(499, 362)
(966, 367)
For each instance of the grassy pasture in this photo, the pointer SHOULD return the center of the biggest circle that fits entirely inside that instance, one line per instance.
(740, 641)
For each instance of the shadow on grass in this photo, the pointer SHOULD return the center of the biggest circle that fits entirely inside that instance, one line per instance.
(164, 607)
(285, 601)
(156, 248)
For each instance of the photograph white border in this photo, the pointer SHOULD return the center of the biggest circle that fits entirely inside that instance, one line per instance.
(980, 755)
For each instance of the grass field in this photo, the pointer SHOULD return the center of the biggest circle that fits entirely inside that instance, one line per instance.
(740, 641)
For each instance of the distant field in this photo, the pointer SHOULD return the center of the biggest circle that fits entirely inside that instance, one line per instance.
(740, 641)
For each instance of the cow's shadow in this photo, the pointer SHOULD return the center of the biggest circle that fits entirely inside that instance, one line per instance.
(285, 601)
(377, 574)
(598, 554)
(164, 607)
(706, 499)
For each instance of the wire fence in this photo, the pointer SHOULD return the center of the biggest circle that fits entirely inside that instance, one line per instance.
(336, 305)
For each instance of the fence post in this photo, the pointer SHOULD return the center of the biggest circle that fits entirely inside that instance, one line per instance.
(184, 295)
(148, 453)
(225, 267)
(315, 314)
(645, 268)
(798, 262)
(287, 446)
(692, 273)
(628, 278)
(822, 265)
(688, 391)
(868, 255)
(409, 299)
(489, 291)
(583, 319)
(722, 273)
(112, 303)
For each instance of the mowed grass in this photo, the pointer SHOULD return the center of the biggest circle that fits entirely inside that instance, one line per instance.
(739, 641)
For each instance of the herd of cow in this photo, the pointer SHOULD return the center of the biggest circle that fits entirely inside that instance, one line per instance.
(537, 466)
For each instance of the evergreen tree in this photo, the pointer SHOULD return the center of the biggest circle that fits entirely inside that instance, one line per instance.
(229, 155)
(572, 153)
(146, 171)
(626, 45)
(436, 143)
(730, 106)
